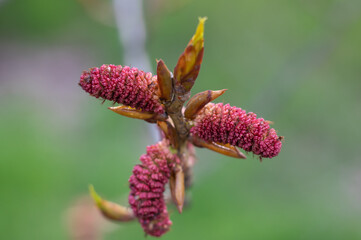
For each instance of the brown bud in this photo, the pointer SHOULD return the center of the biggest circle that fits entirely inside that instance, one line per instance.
(138, 114)
(164, 81)
(198, 101)
(169, 132)
(176, 184)
(111, 210)
(189, 63)
(225, 149)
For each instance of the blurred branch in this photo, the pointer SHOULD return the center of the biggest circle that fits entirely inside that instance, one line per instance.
(132, 33)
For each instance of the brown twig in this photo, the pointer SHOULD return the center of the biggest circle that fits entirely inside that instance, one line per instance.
(174, 109)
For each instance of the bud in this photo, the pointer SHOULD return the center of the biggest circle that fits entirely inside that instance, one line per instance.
(164, 77)
(198, 101)
(176, 185)
(231, 125)
(225, 149)
(111, 210)
(138, 114)
(124, 85)
(189, 63)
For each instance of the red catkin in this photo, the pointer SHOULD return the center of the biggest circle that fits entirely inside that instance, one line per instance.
(147, 185)
(125, 85)
(226, 124)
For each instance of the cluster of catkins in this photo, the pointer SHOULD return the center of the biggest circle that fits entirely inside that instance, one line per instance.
(159, 99)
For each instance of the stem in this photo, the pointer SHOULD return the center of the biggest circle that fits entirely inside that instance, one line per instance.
(174, 109)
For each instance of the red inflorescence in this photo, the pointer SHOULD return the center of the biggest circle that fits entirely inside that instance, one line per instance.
(147, 185)
(226, 124)
(125, 85)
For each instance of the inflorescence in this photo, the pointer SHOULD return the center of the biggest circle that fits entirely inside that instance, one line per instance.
(147, 185)
(232, 125)
(125, 85)
(160, 99)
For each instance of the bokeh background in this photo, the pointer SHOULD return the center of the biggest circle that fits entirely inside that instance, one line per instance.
(297, 63)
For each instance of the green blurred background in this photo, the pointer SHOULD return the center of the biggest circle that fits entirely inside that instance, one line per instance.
(297, 63)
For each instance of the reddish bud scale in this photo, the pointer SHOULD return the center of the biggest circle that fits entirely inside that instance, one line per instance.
(147, 185)
(226, 124)
(125, 85)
